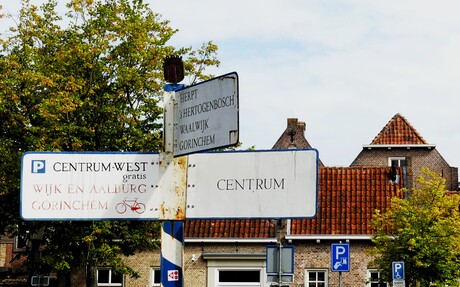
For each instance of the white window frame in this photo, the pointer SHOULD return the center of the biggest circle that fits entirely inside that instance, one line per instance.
(307, 278)
(369, 281)
(17, 241)
(153, 277)
(116, 284)
(398, 158)
(217, 262)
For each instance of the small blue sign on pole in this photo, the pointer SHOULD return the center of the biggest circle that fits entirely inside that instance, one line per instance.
(340, 257)
(398, 270)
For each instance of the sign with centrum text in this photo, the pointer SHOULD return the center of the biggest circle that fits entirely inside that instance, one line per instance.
(206, 115)
(252, 184)
(90, 186)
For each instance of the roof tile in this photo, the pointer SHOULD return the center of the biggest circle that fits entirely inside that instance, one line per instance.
(398, 131)
(230, 228)
(347, 200)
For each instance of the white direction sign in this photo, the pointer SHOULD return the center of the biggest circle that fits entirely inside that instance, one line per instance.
(252, 184)
(206, 115)
(90, 186)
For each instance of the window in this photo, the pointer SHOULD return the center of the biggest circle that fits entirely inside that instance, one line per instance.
(374, 279)
(20, 242)
(155, 276)
(397, 161)
(235, 270)
(315, 278)
(239, 276)
(105, 277)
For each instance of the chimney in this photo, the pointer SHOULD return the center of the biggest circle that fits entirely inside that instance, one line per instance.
(292, 122)
(293, 137)
(302, 126)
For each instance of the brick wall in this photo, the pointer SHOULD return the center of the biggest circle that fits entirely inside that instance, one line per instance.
(417, 159)
(312, 255)
(308, 255)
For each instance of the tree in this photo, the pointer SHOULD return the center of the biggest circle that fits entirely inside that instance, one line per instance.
(89, 81)
(422, 230)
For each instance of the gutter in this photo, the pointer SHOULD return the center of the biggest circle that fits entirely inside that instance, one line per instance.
(230, 240)
(408, 146)
(233, 255)
(319, 237)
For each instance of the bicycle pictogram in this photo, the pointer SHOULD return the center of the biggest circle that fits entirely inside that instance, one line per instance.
(132, 204)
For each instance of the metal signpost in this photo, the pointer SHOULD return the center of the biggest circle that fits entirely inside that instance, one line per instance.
(206, 115)
(340, 259)
(398, 274)
(152, 186)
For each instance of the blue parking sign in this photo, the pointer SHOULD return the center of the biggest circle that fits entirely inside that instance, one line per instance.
(398, 270)
(340, 257)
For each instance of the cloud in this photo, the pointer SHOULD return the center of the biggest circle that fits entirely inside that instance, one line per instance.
(343, 67)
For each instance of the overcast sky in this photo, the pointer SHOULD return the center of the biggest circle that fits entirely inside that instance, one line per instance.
(343, 67)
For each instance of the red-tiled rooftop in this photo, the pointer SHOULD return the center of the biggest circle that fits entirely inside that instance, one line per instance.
(347, 199)
(237, 228)
(398, 131)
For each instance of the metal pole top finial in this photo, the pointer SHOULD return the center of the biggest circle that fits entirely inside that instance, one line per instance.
(173, 69)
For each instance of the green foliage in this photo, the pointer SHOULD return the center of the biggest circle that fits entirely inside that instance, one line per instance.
(422, 230)
(89, 81)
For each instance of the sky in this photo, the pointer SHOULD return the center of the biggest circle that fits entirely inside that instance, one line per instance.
(345, 68)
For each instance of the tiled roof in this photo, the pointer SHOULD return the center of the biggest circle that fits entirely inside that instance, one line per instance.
(236, 228)
(347, 199)
(398, 131)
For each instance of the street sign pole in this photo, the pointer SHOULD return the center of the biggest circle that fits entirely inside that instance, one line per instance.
(398, 272)
(340, 259)
(174, 172)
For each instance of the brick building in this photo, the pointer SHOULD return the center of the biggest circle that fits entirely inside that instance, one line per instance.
(399, 144)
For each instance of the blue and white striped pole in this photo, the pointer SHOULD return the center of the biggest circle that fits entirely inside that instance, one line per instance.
(172, 253)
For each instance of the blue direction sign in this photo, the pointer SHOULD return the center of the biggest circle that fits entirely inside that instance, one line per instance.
(340, 257)
(398, 270)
